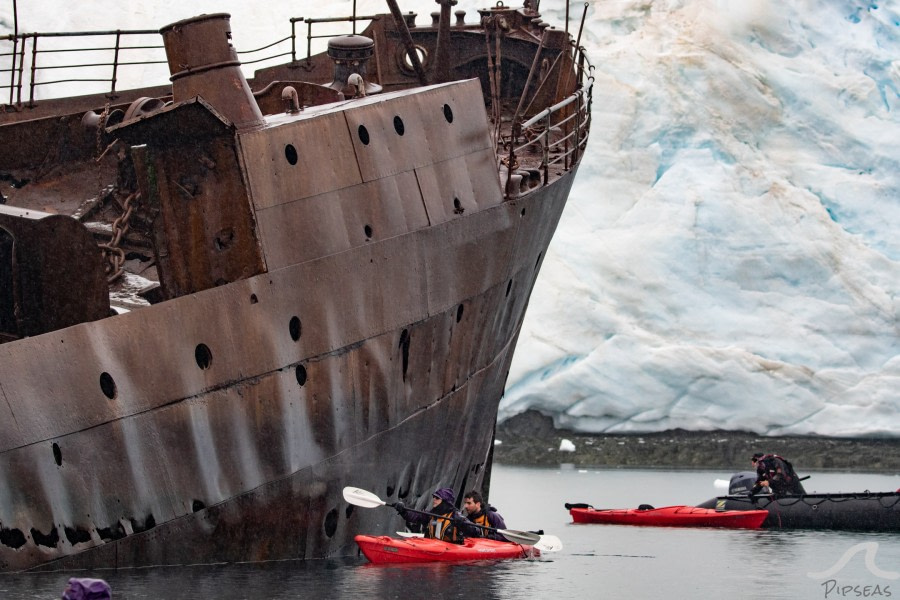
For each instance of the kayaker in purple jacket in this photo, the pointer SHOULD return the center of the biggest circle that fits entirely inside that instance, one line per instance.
(444, 521)
(484, 514)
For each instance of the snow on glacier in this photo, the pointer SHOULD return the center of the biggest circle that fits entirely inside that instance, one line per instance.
(739, 203)
(728, 258)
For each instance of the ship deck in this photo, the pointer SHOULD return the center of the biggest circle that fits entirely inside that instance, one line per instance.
(64, 160)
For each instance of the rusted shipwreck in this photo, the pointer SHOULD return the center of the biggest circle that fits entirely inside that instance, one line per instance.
(222, 300)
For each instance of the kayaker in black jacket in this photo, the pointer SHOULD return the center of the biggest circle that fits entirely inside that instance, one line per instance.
(447, 524)
(483, 514)
(777, 474)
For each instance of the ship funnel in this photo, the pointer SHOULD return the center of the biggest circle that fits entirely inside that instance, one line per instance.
(351, 54)
(202, 62)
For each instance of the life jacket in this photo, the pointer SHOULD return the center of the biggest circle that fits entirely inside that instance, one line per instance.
(771, 463)
(442, 528)
(481, 519)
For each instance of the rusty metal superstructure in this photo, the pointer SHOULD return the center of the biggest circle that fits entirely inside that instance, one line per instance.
(222, 300)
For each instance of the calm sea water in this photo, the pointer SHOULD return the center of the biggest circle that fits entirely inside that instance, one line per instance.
(597, 561)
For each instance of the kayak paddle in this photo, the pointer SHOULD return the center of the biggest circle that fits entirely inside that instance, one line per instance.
(367, 499)
(549, 543)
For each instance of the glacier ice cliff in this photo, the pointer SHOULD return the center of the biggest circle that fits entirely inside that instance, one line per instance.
(729, 258)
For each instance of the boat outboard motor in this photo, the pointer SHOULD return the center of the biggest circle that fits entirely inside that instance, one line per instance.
(741, 483)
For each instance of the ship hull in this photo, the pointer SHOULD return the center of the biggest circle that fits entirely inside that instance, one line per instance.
(239, 452)
(337, 272)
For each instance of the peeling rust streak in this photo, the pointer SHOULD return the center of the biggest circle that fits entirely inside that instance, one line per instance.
(9, 406)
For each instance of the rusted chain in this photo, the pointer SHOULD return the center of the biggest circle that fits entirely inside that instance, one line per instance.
(115, 256)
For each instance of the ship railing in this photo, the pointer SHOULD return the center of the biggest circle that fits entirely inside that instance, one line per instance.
(309, 33)
(561, 130)
(44, 61)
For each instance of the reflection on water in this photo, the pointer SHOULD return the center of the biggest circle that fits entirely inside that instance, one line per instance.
(596, 561)
(427, 581)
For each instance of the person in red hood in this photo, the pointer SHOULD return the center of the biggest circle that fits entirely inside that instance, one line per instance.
(443, 521)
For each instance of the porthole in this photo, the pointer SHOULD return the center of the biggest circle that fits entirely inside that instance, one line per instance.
(295, 327)
(363, 135)
(406, 65)
(203, 356)
(290, 153)
(300, 374)
(368, 231)
(459, 313)
(253, 299)
(57, 454)
(448, 113)
(398, 126)
(107, 385)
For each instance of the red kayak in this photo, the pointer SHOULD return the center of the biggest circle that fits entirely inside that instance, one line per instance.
(672, 516)
(383, 549)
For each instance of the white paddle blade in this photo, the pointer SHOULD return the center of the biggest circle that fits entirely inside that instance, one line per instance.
(410, 534)
(549, 543)
(359, 497)
(525, 538)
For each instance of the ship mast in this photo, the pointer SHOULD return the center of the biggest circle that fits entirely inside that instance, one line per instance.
(400, 24)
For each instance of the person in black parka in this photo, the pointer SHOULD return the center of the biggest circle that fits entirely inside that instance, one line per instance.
(776, 473)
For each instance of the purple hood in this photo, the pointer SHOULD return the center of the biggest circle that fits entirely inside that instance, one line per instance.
(82, 588)
(445, 494)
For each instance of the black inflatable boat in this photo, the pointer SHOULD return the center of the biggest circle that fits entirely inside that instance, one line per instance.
(860, 511)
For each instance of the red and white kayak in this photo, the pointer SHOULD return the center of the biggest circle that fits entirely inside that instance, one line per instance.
(672, 516)
(383, 549)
